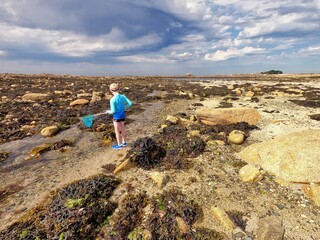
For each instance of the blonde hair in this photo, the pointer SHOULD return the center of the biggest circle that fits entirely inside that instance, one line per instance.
(114, 87)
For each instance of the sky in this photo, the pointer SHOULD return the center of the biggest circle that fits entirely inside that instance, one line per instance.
(159, 37)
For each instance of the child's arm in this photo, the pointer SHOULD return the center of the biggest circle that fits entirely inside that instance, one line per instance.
(112, 107)
(128, 103)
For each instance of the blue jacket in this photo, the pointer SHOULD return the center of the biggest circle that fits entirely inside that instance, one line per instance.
(118, 103)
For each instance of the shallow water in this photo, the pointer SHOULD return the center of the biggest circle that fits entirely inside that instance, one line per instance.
(19, 150)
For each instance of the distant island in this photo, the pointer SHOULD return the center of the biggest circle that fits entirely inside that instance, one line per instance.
(272, 72)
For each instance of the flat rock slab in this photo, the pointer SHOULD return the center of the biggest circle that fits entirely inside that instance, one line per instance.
(293, 158)
(228, 115)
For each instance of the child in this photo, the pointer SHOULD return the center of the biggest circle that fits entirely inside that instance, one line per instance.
(118, 103)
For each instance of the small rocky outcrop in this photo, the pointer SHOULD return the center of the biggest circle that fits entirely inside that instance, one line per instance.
(270, 228)
(33, 97)
(292, 157)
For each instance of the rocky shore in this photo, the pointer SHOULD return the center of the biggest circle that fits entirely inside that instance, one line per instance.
(225, 157)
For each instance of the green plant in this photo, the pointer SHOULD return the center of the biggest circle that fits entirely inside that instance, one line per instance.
(161, 204)
(62, 236)
(24, 233)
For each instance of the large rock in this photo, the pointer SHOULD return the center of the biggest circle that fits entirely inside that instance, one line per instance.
(33, 97)
(228, 115)
(80, 101)
(49, 131)
(293, 158)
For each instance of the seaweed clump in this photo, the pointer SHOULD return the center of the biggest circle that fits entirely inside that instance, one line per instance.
(129, 217)
(169, 210)
(3, 156)
(76, 211)
(206, 234)
(146, 153)
(36, 151)
(179, 146)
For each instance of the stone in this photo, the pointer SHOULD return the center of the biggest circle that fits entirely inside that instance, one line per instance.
(185, 122)
(195, 133)
(35, 151)
(226, 116)
(83, 95)
(33, 97)
(161, 179)
(249, 173)
(236, 137)
(237, 91)
(216, 142)
(270, 228)
(193, 118)
(26, 128)
(79, 102)
(315, 193)
(108, 96)
(182, 225)
(125, 165)
(249, 94)
(238, 234)
(223, 218)
(96, 97)
(293, 157)
(49, 131)
(172, 119)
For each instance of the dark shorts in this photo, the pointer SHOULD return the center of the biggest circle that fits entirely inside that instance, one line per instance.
(119, 120)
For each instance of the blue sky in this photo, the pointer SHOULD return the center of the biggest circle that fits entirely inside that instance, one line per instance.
(159, 37)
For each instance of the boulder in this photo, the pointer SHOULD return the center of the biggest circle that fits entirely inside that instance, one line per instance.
(49, 131)
(270, 228)
(226, 116)
(80, 101)
(236, 137)
(33, 97)
(293, 157)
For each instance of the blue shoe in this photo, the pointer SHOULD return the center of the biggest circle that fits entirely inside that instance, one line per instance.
(116, 146)
(124, 144)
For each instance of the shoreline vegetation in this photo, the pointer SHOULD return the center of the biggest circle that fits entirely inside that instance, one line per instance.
(185, 173)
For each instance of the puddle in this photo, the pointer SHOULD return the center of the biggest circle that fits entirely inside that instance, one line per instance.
(19, 150)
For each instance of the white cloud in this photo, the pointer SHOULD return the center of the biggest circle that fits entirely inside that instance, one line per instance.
(145, 59)
(73, 44)
(184, 55)
(279, 24)
(221, 55)
(314, 50)
(2, 53)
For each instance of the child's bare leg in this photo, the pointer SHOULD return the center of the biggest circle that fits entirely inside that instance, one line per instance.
(117, 129)
(123, 132)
